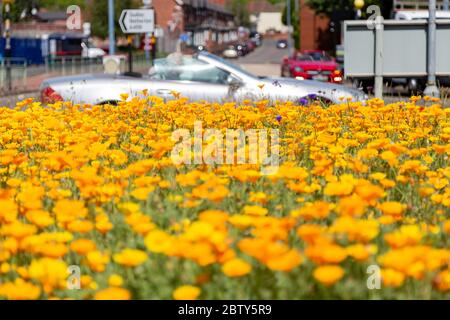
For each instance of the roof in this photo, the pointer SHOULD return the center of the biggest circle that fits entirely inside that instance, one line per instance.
(51, 16)
(258, 6)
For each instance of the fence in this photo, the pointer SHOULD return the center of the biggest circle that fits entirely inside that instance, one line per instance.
(18, 75)
(26, 78)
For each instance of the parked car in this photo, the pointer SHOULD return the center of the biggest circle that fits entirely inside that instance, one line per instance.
(312, 65)
(89, 50)
(242, 49)
(256, 38)
(231, 52)
(203, 76)
(282, 44)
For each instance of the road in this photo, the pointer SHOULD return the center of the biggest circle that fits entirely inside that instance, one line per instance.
(265, 60)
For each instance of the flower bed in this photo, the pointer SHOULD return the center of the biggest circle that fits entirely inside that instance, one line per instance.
(358, 208)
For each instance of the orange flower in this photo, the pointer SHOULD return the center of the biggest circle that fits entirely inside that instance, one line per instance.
(328, 275)
(186, 293)
(392, 208)
(236, 268)
(130, 257)
(113, 293)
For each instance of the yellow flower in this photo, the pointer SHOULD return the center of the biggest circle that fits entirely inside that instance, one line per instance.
(186, 293)
(52, 273)
(19, 290)
(115, 280)
(83, 246)
(255, 211)
(392, 208)
(328, 274)
(130, 257)
(236, 268)
(113, 294)
(392, 278)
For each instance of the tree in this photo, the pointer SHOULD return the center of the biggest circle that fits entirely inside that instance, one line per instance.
(329, 6)
(100, 16)
(240, 10)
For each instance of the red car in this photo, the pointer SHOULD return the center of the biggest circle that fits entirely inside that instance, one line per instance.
(311, 65)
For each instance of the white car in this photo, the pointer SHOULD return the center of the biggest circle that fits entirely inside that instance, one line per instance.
(201, 77)
(231, 53)
(91, 51)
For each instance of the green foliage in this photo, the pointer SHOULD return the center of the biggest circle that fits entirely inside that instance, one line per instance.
(100, 16)
(240, 11)
(329, 6)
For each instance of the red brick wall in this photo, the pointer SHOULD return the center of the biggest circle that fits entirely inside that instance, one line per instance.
(163, 9)
(313, 29)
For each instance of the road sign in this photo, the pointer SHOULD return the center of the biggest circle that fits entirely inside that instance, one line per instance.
(184, 37)
(137, 20)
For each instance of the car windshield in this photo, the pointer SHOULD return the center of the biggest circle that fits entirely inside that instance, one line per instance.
(313, 56)
(230, 65)
(180, 67)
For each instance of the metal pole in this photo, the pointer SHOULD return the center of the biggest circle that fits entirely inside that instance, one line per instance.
(289, 24)
(1, 17)
(431, 89)
(379, 30)
(8, 49)
(112, 36)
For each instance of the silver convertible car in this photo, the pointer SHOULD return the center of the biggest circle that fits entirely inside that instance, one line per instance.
(199, 77)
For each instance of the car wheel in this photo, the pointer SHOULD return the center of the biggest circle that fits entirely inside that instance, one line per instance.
(112, 103)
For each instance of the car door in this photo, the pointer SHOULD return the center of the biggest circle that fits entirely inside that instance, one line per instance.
(191, 78)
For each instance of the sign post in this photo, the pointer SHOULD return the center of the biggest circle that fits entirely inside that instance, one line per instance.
(432, 90)
(112, 36)
(136, 21)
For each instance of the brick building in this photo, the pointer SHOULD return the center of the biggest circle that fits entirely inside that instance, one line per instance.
(314, 29)
(205, 22)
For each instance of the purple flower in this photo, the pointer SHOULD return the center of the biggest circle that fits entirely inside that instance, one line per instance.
(279, 118)
(312, 96)
(303, 101)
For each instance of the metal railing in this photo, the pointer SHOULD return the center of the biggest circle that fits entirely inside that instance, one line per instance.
(16, 79)
(26, 78)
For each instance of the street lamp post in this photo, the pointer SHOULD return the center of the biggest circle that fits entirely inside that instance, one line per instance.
(112, 36)
(432, 90)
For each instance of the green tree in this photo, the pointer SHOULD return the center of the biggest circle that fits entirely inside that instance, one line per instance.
(329, 6)
(240, 10)
(100, 16)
